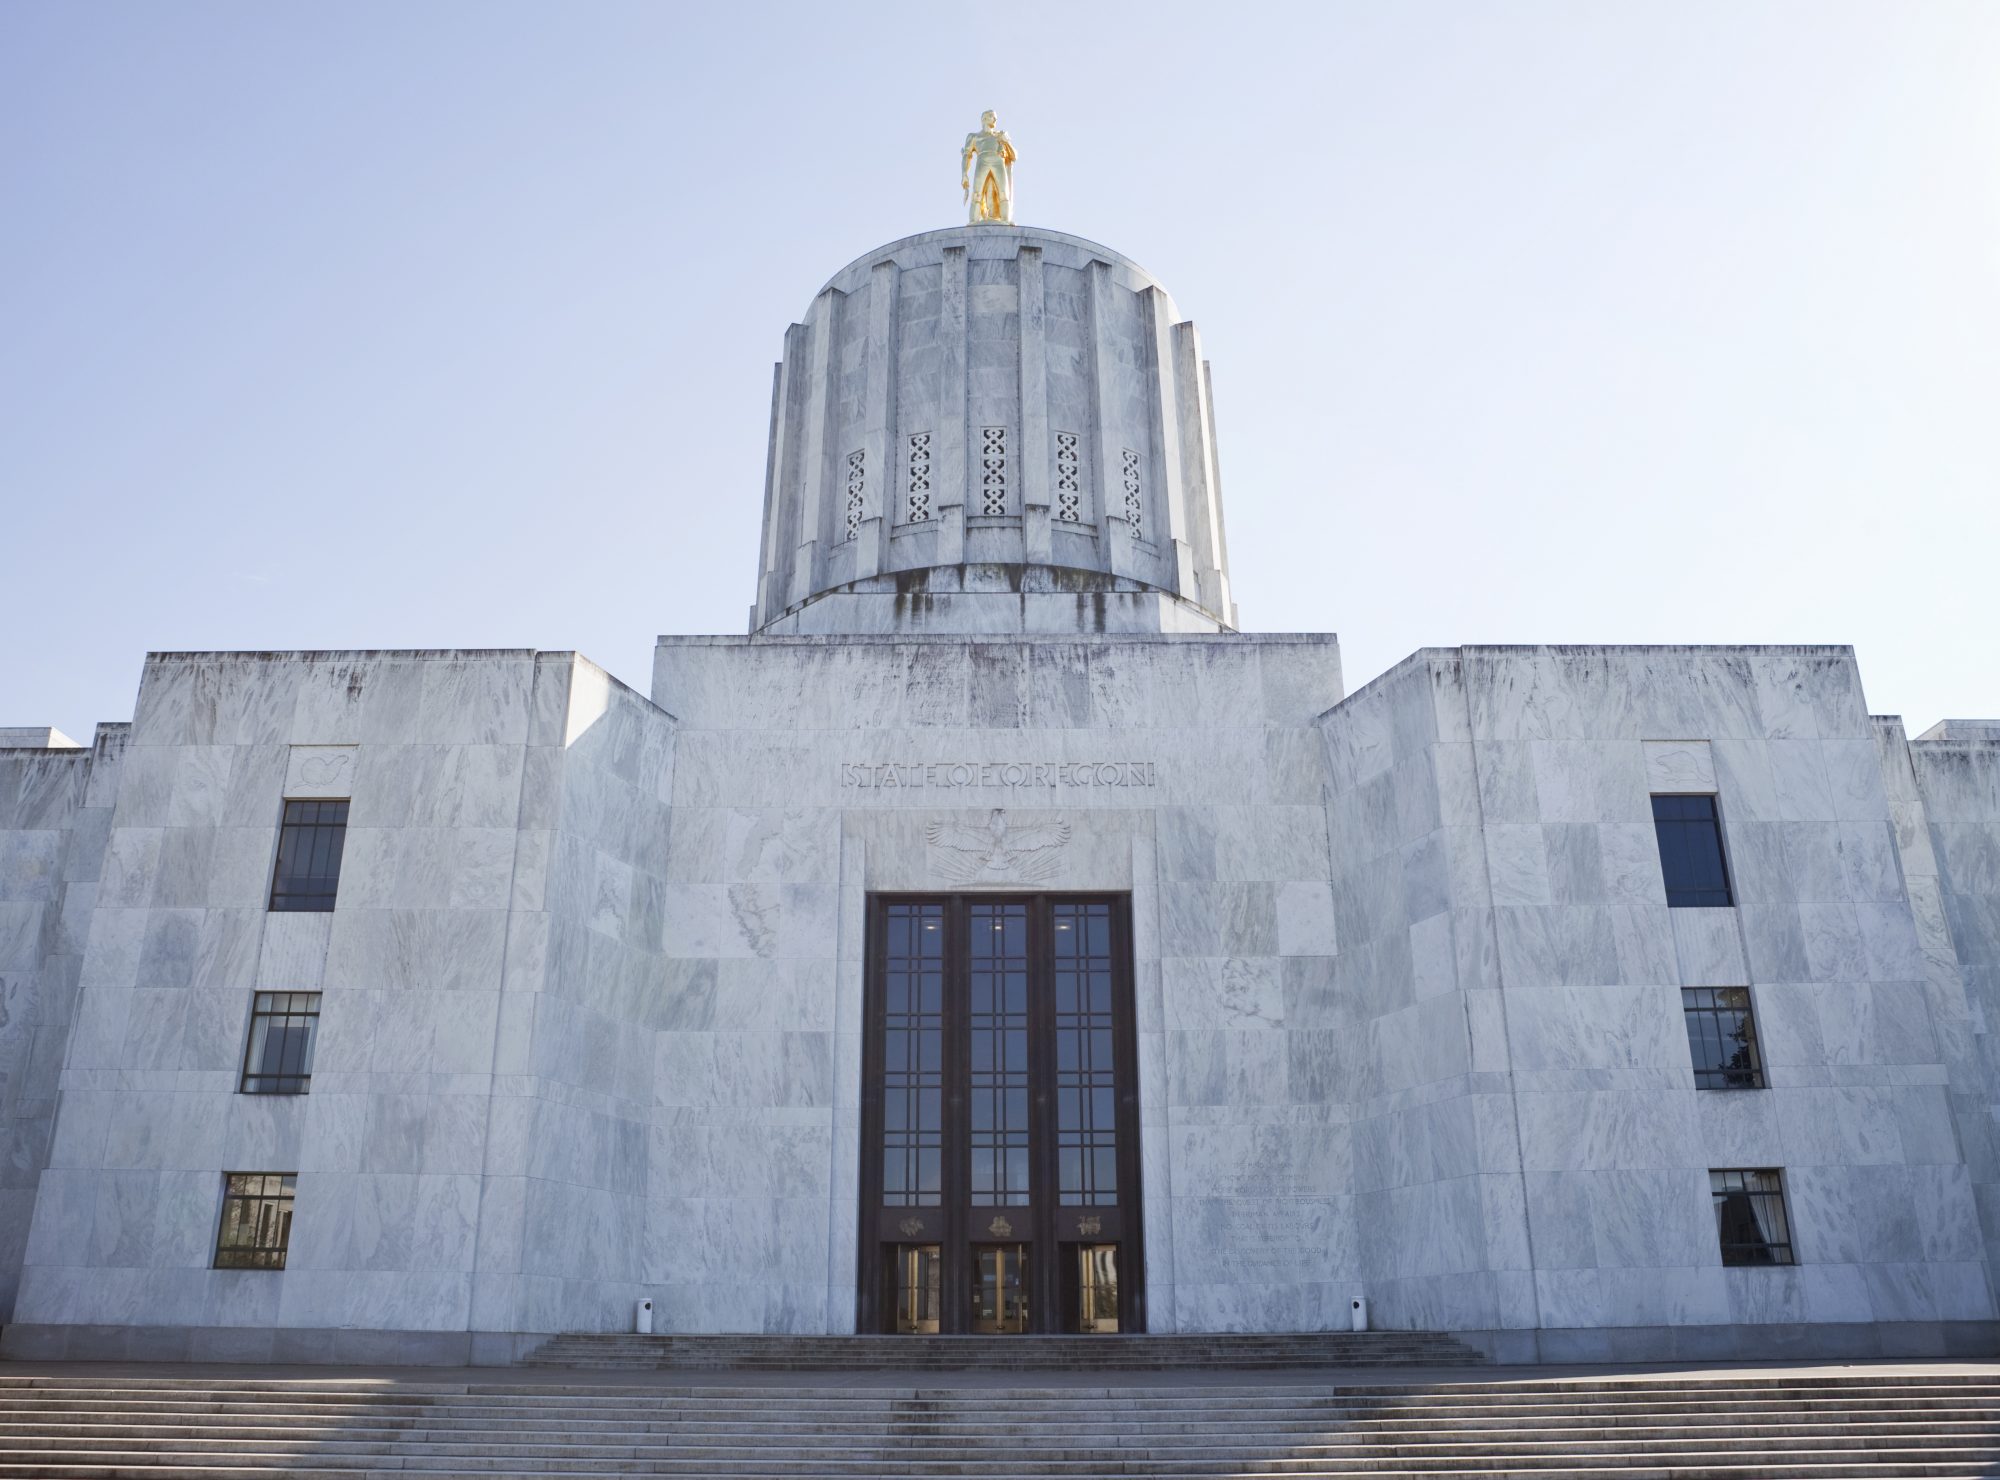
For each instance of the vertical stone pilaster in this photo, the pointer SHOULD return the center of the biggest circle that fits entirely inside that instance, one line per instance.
(1031, 458)
(952, 461)
(1163, 484)
(1102, 498)
(811, 472)
(1156, 1190)
(769, 584)
(1225, 594)
(877, 421)
(1201, 481)
(850, 967)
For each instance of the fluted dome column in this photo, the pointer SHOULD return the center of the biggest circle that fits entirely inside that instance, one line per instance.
(992, 429)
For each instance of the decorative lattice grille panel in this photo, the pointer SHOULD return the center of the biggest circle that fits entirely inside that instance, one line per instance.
(920, 477)
(857, 486)
(993, 470)
(1069, 486)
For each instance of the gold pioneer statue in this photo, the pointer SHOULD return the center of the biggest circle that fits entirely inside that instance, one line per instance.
(986, 172)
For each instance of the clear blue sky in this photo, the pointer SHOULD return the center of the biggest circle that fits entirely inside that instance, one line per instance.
(410, 325)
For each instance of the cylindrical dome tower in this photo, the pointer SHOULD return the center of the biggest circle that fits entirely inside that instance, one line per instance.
(992, 429)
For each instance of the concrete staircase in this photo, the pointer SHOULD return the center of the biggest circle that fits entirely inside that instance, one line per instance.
(1208, 1353)
(1745, 1425)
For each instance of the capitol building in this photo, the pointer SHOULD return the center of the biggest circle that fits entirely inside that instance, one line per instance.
(996, 938)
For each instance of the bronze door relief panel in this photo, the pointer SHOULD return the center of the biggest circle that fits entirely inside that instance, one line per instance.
(1000, 1148)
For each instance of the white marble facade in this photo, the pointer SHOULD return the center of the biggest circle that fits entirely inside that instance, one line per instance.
(1408, 985)
(497, 937)
(1531, 1150)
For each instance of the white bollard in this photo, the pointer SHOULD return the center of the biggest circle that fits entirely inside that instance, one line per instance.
(642, 1318)
(1360, 1313)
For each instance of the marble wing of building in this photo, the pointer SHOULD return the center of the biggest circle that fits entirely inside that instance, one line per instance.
(996, 938)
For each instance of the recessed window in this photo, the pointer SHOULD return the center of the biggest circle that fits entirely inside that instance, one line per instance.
(1690, 836)
(913, 1057)
(1750, 1216)
(1722, 1038)
(998, 999)
(1086, 1079)
(256, 1220)
(278, 1059)
(309, 848)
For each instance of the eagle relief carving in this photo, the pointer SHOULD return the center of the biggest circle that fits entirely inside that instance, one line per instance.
(997, 852)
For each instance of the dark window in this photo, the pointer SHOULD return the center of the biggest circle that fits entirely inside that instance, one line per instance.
(1750, 1217)
(913, 1056)
(1086, 1080)
(309, 846)
(998, 1002)
(1722, 1038)
(278, 1059)
(256, 1220)
(1691, 852)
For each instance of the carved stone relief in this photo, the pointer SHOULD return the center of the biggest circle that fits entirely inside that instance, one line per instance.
(997, 851)
(320, 771)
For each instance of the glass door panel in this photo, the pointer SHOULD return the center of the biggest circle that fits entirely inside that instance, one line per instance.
(1092, 1288)
(999, 1288)
(918, 1283)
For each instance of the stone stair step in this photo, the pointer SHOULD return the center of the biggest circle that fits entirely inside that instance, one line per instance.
(1786, 1426)
(620, 1350)
(1083, 1463)
(1432, 1403)
(14, 1433)
(1883, 1468)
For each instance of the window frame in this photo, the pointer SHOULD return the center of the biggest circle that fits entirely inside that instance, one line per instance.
(1754, 1041)
(288, 1013)
(283, 900)
(1728, 889)
(257, 1254)
(1783, 1252)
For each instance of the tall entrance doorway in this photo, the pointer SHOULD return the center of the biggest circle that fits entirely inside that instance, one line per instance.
(999, 1117)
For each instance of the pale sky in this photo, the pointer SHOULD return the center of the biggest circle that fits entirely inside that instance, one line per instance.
(451, 324)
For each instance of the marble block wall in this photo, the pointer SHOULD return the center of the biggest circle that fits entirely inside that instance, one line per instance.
(1949, 820)
(1512, 785)
(1185, 771)
(55, 818)
(470, 776)
(35, 737)
(1408, 1011)
(565, 1232)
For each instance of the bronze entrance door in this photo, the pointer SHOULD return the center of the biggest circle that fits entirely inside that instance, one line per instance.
(999, 1122)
